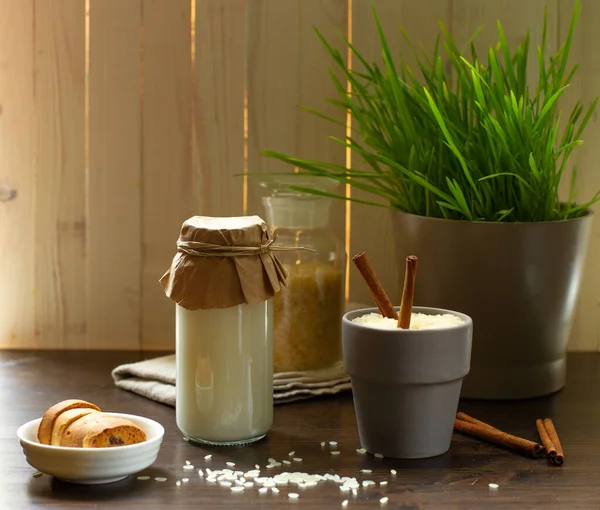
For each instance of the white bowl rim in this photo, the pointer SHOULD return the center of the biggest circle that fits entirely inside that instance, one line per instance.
(154, 425)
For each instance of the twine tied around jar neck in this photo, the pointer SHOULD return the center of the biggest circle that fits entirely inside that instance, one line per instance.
(200, 249)
(224, 262)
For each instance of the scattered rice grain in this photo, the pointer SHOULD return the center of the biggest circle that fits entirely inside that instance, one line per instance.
(393, 471)
(207, 457)
(188, 467)
(362, 451)
(322, 443)
(383, 482)
(139, 477)
(256, 466)
(225, 483)
(335, 452)
(287, 462)
(275, 490)
(354, 492)
(237, 488)
(178, 483)
(230, 464)
(185, 438)
(493, 485)
(379, 455)
(366, 471)
(160, 479)
(345, 503)
(333, 443)
(291, 454)
(185, 480)
(297, 459)
(293, 495)
(384, 500)
(249, 484)
(366, 483)
(188, 462)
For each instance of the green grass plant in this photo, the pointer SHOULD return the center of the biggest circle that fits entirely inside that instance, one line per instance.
(473, 142)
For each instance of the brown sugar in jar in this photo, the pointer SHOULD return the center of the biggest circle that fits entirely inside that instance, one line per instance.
(307, 315)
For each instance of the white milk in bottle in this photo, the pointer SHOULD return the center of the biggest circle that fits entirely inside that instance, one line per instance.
(222, 280)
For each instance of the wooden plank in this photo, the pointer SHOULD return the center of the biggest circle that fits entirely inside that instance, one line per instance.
(114, 177)
(288, 66)
(585, 335)
(372, 230)
(219, 84)
(168, 197)
(60, 219)
(17, 301)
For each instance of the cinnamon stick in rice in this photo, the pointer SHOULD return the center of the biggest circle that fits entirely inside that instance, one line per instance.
(490, 434)
(408, 293)
(381, 298)
(559, 458)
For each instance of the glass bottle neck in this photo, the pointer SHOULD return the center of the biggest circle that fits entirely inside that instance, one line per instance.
(297, 212)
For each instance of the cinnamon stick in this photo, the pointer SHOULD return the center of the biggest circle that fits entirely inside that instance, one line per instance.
(408, 293)
(470, 419)
(546, 441)
(498, 437)
(559, 458)
(381, 298)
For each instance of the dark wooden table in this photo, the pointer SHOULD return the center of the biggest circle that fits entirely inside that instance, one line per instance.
(31, 381)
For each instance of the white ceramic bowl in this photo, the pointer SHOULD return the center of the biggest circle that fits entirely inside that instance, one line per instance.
(92, 465)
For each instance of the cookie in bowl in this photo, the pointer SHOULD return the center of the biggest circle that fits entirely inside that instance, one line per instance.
(81, 424)
(86, 445)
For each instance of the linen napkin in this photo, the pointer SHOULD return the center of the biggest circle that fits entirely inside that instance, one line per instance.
(155, 379)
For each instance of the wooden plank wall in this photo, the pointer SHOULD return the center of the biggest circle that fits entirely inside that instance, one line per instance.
(60, 187)
(287, 67)
(121, 118)
(167, 196)
(585, 335)
(114, 174)
(17, 172)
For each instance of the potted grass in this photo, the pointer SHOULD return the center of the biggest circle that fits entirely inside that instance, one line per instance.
(470, 161)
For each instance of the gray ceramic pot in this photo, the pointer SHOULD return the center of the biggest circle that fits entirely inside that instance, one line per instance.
(406, 383)
(518, 281)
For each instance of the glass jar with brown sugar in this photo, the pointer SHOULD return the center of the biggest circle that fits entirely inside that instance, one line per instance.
(308, 312)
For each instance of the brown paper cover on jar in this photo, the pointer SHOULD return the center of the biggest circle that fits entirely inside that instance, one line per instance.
(223, 262)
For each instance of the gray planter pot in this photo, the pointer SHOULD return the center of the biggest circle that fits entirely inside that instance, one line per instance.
(406, 384)
(517, 281)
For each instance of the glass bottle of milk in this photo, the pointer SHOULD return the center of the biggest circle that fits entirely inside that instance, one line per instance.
(223, 279)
